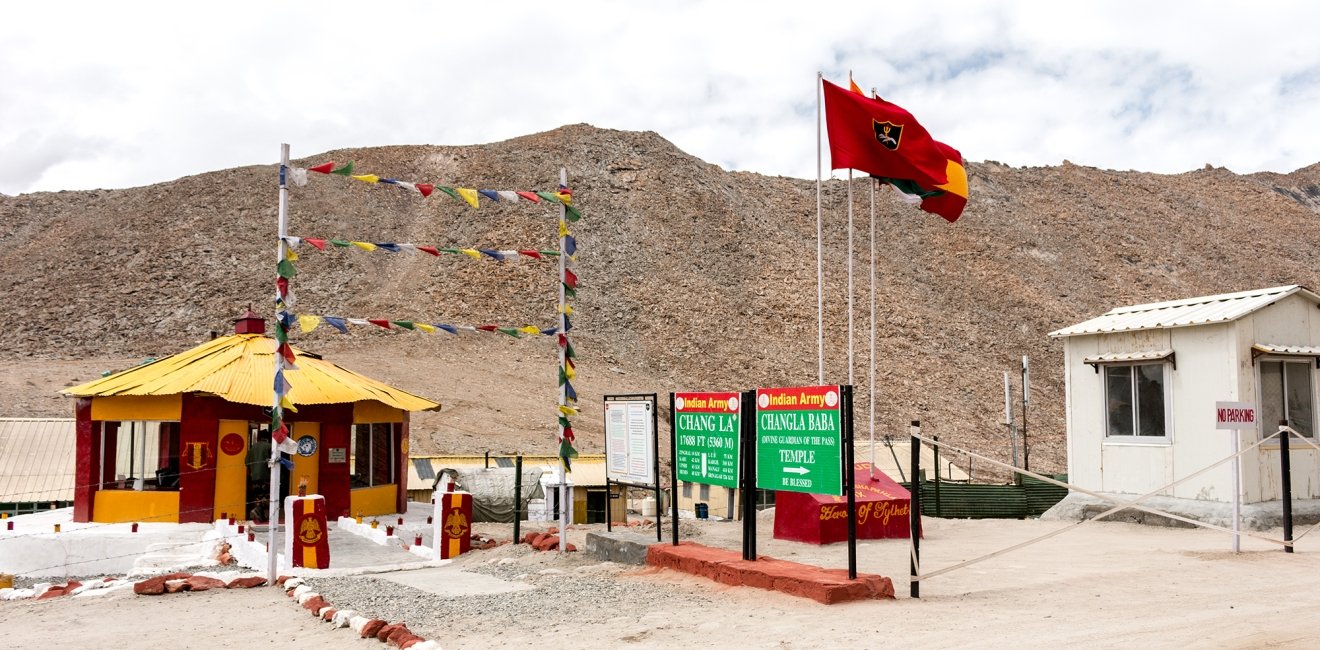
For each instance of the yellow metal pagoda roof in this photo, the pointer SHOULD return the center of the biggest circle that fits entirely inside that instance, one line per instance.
(241, 368)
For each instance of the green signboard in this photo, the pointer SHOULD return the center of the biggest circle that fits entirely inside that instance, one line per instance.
(799, 440)
(706, 438)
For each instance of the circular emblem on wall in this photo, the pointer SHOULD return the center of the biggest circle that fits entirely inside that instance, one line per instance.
(231, 444)
(678, 403)
(763, 401)
(307, 446)
(831, 399)
(733, 403)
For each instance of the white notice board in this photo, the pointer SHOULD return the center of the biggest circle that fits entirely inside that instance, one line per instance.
(630, 442)
(1235, 415)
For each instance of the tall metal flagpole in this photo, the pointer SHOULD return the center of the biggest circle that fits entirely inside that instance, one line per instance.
(851, 382)
(820, 270)
(871, 380)
(272, 535)
(563, 365)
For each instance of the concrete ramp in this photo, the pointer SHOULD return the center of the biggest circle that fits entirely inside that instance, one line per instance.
(451, 581)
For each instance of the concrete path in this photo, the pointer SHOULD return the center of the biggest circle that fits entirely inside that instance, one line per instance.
(348, 551)
(452, 581)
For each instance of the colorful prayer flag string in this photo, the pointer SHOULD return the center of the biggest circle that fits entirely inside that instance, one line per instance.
(497, 254)
(472, 196)
(309, 322)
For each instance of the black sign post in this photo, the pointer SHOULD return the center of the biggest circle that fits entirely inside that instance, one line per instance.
(850, 478)
(914, 508)
(748, 420)
(673, 471)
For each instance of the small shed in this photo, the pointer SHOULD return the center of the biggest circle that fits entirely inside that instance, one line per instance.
(185, 438)
(1142, 383)
(36, 464)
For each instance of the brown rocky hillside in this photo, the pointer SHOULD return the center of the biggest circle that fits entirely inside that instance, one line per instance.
(691, 278)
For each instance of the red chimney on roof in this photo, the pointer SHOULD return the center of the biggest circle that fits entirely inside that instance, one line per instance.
(250, 323)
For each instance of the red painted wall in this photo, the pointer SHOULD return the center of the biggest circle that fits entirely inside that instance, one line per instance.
(200, 427)
(87, 465)
(333, 482)
(110, 432)
(401, 472)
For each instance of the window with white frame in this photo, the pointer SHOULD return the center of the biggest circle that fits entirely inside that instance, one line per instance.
(1135, 401)
(1286, 394)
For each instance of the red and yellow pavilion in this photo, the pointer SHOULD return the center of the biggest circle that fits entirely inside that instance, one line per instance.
(185, 438)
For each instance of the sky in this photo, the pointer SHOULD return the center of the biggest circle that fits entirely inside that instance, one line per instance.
(111, 95)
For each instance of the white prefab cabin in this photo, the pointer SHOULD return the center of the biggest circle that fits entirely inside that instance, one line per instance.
(1142, 383)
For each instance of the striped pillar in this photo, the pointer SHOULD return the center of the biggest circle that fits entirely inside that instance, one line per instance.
(453, 525)
(307, 544)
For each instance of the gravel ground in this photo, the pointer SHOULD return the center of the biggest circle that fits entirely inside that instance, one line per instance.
(569, 589)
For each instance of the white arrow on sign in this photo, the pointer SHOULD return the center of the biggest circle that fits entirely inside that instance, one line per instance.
(796, 470)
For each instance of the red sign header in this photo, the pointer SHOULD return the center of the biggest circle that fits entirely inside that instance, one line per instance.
(802, 398)
(707, 402)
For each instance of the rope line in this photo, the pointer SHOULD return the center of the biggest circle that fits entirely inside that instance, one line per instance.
(84, 526)
(7, 495)
(1123, 503)
(1317, 448)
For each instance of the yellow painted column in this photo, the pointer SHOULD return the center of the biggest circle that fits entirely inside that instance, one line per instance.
(231, 470)
(307, 462)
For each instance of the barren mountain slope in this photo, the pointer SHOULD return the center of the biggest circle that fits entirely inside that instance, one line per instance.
(691, 277)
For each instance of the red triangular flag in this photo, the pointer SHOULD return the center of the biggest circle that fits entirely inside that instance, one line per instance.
(282, 286)
(287, 352)
(425, 188)
(322, 169)
(380, 322)
(488, 328)
(530, 253)
(530, 196)
(318, 243)
(429, 249)
(570, 278)
(281, 434)
(563, 341)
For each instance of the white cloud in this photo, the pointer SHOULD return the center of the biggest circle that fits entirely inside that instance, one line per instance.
(97, 95)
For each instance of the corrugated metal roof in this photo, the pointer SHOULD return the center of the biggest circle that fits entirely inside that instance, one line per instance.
(1271, 348)
(241, 368)
(37, 459)
(1184, 313)
(1129, 356)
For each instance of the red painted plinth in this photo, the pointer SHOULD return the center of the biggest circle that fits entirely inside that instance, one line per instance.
(308, 544)
(455, 536)
(827, 586)
(883, 507)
